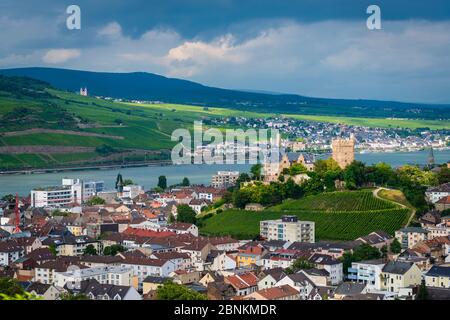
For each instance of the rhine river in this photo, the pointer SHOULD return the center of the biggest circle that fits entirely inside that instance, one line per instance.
(197, 174)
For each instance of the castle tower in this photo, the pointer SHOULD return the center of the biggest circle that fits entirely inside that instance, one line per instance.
(343, 151)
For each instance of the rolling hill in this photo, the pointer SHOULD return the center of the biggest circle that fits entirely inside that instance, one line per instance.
(148, 86)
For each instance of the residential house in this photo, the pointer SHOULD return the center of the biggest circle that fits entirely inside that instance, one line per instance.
(443, 203)
(346, 289)
(115, 275)
(284, 292)
(183, 228)
(219, 261)
(398, 275)
(95, 290)
(298, 281)
(434, 194)
(198, 204)
(333, 266)
(151, 283)
(45, 291)
(376, 239)
(249, 254)
(438, 277)
(10, 251)
(410, 236)
(367, 272)
(243, 284)
(269, 278)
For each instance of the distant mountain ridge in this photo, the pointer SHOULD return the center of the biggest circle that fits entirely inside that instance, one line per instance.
(148, 86)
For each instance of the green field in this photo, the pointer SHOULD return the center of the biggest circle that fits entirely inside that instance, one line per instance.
(356, 214)
(378, 122)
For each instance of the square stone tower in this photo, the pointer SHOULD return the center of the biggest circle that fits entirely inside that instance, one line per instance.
(343, 151)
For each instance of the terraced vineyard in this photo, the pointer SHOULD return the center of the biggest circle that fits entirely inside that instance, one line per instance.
(337, 216)
(338, 201)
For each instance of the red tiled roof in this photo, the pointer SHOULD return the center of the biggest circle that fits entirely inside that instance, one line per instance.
(278, 292)
(147, 233)
(243, 281)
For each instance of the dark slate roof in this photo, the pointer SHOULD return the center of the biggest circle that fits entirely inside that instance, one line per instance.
(159, 280)
(4, 234)
(323, 259)
(39, 288)
(276, 273)
(439, 271)
(94, 287)
(438, 293)
(397, 267)
(414, 229)
(317, 272)
(349, 288)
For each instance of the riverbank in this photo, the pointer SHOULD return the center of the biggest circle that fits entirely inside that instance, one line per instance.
(147, 175)
(86, 168)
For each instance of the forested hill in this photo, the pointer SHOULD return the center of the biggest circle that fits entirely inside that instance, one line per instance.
(148, 86)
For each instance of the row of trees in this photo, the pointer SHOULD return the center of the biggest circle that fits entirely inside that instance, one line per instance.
(411, 180)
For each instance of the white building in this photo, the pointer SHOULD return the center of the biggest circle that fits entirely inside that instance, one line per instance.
(10, 252)
(224, 179)
(71, 191)
(434, 194)
(288, 228)
(132, 191)
(121, 276)
(368, 272)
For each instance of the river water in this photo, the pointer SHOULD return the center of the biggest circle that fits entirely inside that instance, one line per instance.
(197, 174)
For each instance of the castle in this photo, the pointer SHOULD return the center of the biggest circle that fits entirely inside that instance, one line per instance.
(343, 151)
(83, 92)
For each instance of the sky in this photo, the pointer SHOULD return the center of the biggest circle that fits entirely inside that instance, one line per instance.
(319, 48)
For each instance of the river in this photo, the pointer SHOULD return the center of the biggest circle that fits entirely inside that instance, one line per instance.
(197, 174)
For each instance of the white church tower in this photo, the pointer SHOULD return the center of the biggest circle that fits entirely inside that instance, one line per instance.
(83, 92)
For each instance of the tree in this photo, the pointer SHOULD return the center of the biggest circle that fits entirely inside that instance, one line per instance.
(243, 177)
(443, 175)
(10, 287)
(354, 174)
(171, 218)
(297, 168)
(95, 201)
(300, 264)
(186, 214)
(174, 291)
(384, 251)
(113, 250)
(395, 246)
(256, 171)
(422, 293)
(162, 182)
(52, 248)
(363, 252)
(128, 182)
(10, 198)
(90, 250)
(185, 182)
(71, 296)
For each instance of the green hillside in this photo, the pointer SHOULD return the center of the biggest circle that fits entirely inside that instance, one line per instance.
(337, 216)
(52, 128)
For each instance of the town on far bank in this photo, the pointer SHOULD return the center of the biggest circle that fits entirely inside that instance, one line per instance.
(293, 229)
